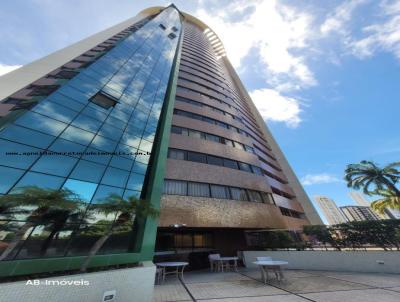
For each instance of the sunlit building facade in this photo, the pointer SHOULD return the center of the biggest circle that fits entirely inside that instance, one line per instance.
(149, 109)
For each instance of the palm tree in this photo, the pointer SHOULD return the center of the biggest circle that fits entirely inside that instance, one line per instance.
(367, 174)
(389, 200)
(45, 203)
(125, 212)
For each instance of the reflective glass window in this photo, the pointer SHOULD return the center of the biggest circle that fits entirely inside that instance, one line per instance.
(67, 147)
(55, 164)
(139, 168)
(110, 132)
(255, 196)
(65, 101)
(198, 189)
(196, 157)
(77, 135)
(220, 192)
(145, 145)
(177, 154)
(83, 189)
(40, 123)
(26, 136)
(19, 160)
(97, 156)
(88, 171)
(103, 192)
(230, 163)
(103, 144)
(115, 177)
(12, 176)
(175, 187)
(87, 123)
(244, 167)
(55, 111)
(238, 194)
(121, 162)
(40, 180)
(135, 182)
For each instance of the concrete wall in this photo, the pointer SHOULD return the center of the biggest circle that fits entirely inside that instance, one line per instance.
(357, 261)
(132, 284)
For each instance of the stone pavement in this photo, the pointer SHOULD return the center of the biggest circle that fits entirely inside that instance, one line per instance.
(300, 286)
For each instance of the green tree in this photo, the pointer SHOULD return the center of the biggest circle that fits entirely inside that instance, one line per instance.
(124, 211)
(388, 200)
(42, 206)
(320, 233)
(371, 178)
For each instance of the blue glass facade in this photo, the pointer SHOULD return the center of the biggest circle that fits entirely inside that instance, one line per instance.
(94, 136)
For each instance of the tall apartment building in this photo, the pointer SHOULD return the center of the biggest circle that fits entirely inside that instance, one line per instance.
(331, 212)
(359, 199)
(150, 108)
(359, 213)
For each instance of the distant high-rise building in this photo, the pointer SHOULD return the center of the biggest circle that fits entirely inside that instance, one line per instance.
(393, 213)
(330, 210)
(359, 199)
(359, 213)
(362, 201)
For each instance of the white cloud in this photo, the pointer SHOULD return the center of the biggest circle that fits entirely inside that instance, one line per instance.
(340, 16)
(380, 36)
(276, 31)
(273, 106)
(323, 178)
(7, 68)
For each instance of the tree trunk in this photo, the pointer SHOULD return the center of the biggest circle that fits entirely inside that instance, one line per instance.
(14, 242)
(95, 248)
(47, 241)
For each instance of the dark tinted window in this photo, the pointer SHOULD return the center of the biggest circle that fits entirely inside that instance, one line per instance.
(198, 189)
(215, 160)
(220, 192)
(177, 154)
(244, 167)
(230, 164)
(196, 157)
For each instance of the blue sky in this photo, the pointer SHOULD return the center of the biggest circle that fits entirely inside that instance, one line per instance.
(324, 74)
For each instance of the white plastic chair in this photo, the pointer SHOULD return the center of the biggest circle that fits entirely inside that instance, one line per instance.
(214, 261)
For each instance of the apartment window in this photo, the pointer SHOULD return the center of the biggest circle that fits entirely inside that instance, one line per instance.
(213, 138)
(255, 196)
(196, 157)
(229, 143)
(215, 160)
(103, 101)
(198, 189)
(249, 149)
(174, 29)
(42, 90)
(285, 212)
(195, 134)
(220, 192)
(244, 167)
(177, 154)
(175, 187)
(172, 36)
(239, 146)
(239, 194)
(176, 130)
(257, 170)
(66, 74)
(230, 163)
(162, 26)
(267, 198)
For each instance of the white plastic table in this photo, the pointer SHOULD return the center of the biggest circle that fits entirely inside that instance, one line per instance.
(227, 259)
(276, 266)
(180, 266)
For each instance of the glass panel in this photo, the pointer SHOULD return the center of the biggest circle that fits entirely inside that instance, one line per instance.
(103, 144)
(196, 157)
(115, 177)
(255, 196)
(77, 135)
(121, 162)
(12, 176)
(83, 189)
(244, 167)
(55, 111)
(219, 192)
(198, 189)
(238, 194)
(66, 147)
(111, 132)
(88, 171)
(87, 123)
(135, 182)
(21, 156)
(176, 154)
(41, 123)
(214, 160)
(139, 168)
(230, 164)
(55, 164)
(175, 187)
(40, 180)
(26, 136)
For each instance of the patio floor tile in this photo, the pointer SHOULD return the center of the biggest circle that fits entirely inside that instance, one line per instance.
(367, 295)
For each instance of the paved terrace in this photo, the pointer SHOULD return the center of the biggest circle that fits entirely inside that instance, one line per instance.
(301, 286)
